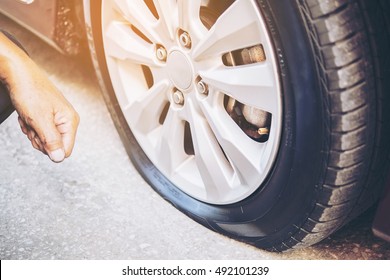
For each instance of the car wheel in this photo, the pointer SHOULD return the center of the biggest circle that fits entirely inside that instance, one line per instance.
(261, 120)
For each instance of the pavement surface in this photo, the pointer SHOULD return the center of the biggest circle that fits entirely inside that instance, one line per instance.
(96, 206)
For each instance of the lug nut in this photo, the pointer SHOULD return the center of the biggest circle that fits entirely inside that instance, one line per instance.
(202, 87)
(185, 40)
(161, 53)
(178, 97)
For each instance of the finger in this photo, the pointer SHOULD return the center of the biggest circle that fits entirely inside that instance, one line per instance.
(35, 144)
(68, 131)
(23, 125)
(31, 134)
(50, 138)
(39, 144)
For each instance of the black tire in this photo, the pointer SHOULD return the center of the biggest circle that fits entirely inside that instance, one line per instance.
(332, 160)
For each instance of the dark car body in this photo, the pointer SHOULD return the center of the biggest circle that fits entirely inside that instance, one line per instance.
(60, 22)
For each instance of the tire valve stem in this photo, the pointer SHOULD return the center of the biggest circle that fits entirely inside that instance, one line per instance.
(262, 131)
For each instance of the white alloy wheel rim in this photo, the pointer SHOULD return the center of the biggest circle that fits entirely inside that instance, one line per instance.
(171, 83)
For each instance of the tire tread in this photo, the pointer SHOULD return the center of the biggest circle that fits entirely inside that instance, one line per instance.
(340, 38)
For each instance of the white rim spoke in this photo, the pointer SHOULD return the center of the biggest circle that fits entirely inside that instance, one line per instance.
(139, 15)
(251, 85)
(122, 43)
(165, 9)
(170, 146)
(144, 112)
(189, 13)
(215, 170)
(243, 33)
(244, 154)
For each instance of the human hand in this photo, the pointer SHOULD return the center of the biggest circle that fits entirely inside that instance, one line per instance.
(45, 116)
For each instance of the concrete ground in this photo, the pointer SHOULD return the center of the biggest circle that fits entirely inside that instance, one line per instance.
(96, 206)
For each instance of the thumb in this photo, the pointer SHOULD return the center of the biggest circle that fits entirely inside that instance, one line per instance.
(51, 140)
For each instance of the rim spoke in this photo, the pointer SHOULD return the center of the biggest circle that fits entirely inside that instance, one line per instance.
(122, 43)
(189, 14)
(252, 85)
(244, 154)
(243, 33)
(170, 146)
(139, 15)
(215, 170)
(144, 112)
(165, 9)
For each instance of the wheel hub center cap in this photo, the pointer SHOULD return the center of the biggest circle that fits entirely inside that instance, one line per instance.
(179, 70)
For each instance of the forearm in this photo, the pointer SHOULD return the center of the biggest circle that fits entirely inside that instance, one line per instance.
(13, 61)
